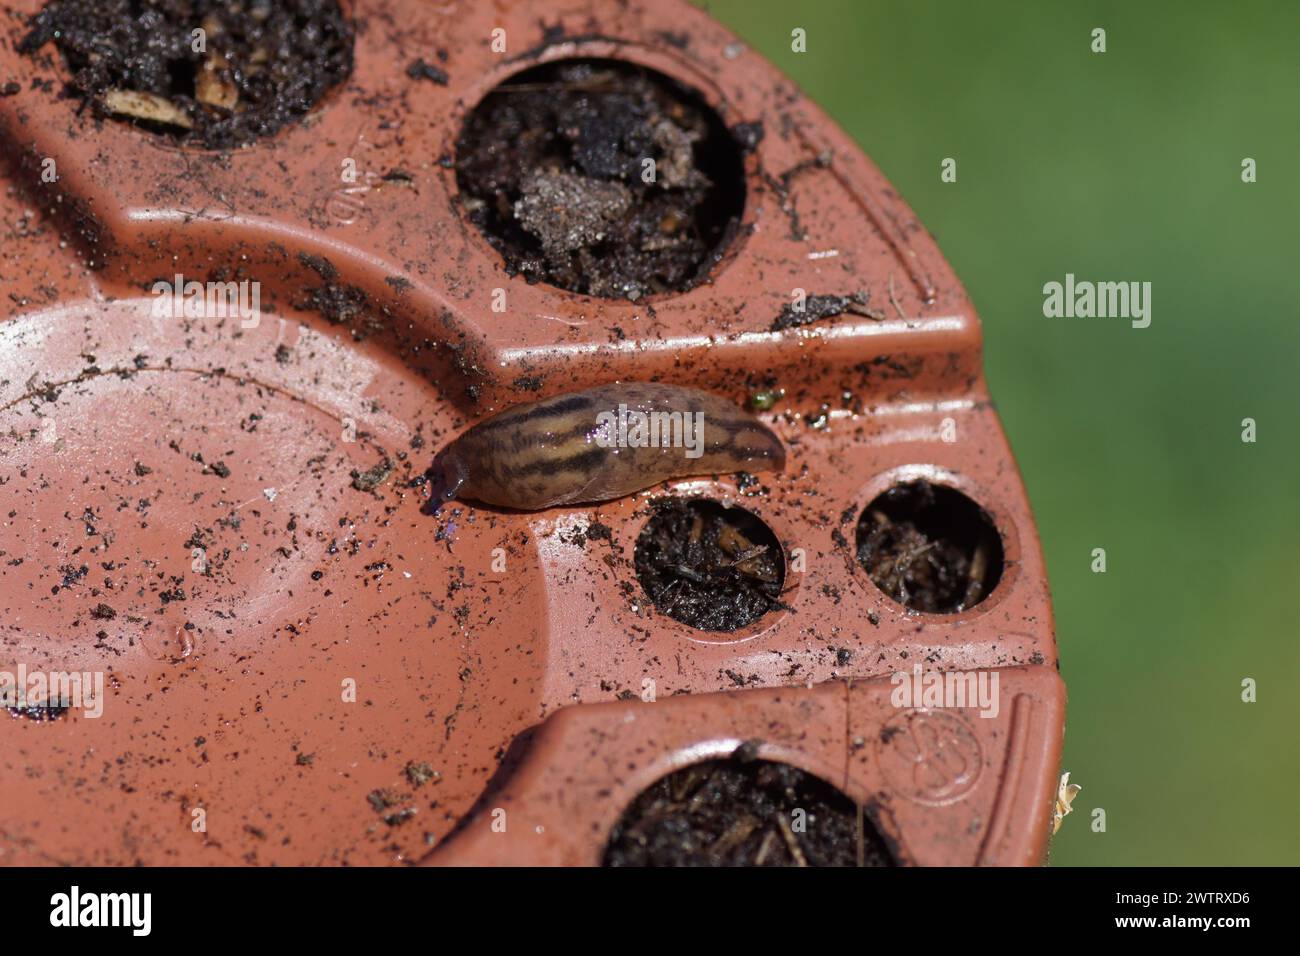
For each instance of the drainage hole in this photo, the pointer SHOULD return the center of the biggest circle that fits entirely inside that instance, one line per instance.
(744, 812)
(709, 566)
(601, 177)
(930, 548)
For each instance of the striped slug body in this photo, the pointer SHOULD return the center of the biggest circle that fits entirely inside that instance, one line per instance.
(602, 443)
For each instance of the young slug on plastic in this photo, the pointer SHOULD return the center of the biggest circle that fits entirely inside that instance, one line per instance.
(601, 443)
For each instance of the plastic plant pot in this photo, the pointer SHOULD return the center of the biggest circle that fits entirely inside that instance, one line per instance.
(223, 515)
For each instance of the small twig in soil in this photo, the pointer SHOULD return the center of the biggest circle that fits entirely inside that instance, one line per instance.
(904, 562)
(739, 832)
(791, 842)
(689, 573)
(746, 555)
(689, 783)
(699, 796)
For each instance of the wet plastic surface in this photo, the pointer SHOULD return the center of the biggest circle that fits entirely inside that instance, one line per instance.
(377, 341)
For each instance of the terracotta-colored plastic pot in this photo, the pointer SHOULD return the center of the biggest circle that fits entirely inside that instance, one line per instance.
(304, 667)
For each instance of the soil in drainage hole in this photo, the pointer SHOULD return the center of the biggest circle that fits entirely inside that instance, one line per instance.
(260, 65)
(744, 812)
(930, 548)
(553, 165)
(714, 568)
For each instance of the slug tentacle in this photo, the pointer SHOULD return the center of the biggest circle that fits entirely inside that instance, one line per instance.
(602, 443)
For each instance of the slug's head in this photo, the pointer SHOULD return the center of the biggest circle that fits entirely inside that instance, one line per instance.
(446, 476)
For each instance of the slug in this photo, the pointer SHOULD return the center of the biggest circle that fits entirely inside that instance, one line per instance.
(599, 444)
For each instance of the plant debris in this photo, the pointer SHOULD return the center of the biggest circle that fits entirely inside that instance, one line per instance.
(149, 107)
(1063, 805)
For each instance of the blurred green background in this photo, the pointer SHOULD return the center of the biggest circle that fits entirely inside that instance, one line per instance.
(1121, 166)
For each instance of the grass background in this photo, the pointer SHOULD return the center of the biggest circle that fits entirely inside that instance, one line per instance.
(1121, 166)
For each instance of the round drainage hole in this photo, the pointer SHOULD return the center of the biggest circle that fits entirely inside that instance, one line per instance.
(601, 177)
(930, 548)
(208, 73)
(744, 812)
(709, 566)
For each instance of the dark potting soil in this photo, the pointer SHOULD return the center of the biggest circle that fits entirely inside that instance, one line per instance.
(38, 712)
(264, 63)
(708, 566)
(818, 307)
(551, 168)
(743, 812)
(930, 548)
